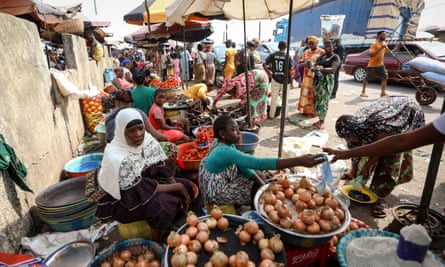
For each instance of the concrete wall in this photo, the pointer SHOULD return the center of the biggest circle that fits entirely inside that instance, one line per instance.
(44, 128)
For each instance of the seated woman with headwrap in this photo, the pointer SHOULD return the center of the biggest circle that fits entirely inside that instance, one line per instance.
(384, 117)
(138, 185)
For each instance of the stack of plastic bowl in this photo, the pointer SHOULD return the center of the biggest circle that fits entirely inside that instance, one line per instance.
(82, 165)
(64, 207)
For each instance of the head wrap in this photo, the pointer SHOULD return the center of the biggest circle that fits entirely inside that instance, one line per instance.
(124, 96)
(256, 40)
(345, 126)
(125, 61)
(118, 150)
(312, 38)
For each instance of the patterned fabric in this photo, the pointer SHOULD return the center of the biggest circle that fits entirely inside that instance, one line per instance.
(322, 94)
(306, 103)
(258, 97)
(390, 115)
(224, 188)
(236, 87)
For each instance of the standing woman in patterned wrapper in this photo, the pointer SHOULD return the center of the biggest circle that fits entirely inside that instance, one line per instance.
(308, 59)
(324, 81)
(138, 184)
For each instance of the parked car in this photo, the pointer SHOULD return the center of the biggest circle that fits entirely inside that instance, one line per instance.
(355, 64)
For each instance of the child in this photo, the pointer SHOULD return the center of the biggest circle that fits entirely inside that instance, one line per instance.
(176, 134)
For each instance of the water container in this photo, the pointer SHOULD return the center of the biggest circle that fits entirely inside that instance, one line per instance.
(108, 75)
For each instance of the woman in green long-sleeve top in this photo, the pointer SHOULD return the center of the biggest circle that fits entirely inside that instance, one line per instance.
(226, 175)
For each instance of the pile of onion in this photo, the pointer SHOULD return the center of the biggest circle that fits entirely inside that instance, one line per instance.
(135, 257)
(300, 208)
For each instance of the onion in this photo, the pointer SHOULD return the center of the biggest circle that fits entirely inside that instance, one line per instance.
(191, 219)
(211, 246)
(275, 187)
(280, 195)
(340, 214)
(335, 222)
(295, 197)
(202, 236)
(319, 199)
(325, 226)
(273, 216)
(118, 262)
(173, 239)
(219, 259)
(179, 260)
(223, 223)
(105, 264)
(202, 226)
(263, 243)
(259, 235)
(353, 226)
(149, 255)
(331, 202)
(327, 213)
(208, 264)
(216, 212)
(242, 259)
(244, 237)
(289, 192)
(192, 257)
(185, 239)
(194, 246)
(286, 222)
(181, 249)
(305, 182)
(232, 261)
(191, 231)
(251, 227)
(284, 182)
(267, 263)
(154, 263)
(311, 204)
(305, 196)
(268, 208)
(125, 254)
(300, 205)
(299, 225)
(275, 244)
(284, 211)
(308, 216)
(313, 228)
(267, 253)
(137, 264)
(211, 223)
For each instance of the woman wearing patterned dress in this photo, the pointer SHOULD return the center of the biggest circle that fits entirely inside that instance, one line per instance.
(138, 184)
(227, 175)
(384, 117)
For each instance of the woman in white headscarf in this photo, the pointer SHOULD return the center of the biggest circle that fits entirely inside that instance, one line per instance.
(132, 172)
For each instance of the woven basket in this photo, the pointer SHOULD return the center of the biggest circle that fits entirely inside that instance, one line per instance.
(70, 26)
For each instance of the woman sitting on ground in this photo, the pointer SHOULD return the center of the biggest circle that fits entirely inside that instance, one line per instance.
(227, 175)
(386, 116)
(138, 184)
(176, 134)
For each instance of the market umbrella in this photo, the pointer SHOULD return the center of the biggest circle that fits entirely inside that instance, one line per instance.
(139, 15)
(192, 31)
(179, 10)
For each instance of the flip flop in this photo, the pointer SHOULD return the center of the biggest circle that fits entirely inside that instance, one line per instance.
(378, 210)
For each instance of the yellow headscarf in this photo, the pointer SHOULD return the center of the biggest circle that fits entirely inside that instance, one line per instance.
(312, 38)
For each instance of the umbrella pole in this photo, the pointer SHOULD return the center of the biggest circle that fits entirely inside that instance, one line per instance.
(249, 119)
(430, 180)
(285, 83)
(186, 66)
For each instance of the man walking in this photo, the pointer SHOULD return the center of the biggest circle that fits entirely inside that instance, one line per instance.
(277, 62)
(376, 67)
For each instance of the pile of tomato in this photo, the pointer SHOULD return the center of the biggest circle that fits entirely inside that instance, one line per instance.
(194, 154)
(207, 130)
(170, 83)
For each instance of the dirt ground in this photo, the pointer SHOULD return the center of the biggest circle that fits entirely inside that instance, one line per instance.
(347, 102)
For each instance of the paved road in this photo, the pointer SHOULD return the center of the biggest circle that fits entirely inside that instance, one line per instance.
(347, 102)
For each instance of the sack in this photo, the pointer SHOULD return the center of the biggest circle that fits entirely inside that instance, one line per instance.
(93, 191)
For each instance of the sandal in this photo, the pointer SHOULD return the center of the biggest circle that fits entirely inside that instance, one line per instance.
(378, 210)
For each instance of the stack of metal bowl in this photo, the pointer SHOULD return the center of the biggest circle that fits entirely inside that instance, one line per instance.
(64, 207)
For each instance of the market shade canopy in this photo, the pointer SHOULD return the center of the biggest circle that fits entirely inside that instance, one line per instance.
(41, 13)
(139, 16)
(179, 10)
(193, 31)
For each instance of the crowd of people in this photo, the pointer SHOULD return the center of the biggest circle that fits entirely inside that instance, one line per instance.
(140, 185)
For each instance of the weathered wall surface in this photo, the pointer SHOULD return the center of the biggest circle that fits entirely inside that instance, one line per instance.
(43, 127)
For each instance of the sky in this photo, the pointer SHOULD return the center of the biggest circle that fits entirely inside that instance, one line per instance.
(114, 10)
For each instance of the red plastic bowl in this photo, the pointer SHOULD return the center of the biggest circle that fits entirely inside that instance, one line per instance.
(190, 165)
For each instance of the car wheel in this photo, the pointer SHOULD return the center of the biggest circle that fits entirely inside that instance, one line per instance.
(426, 95)
(360, 74)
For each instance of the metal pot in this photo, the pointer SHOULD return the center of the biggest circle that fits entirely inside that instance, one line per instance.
(77, 253)
(299, 239)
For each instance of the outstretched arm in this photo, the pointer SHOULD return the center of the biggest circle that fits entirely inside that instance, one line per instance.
(392, 144)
